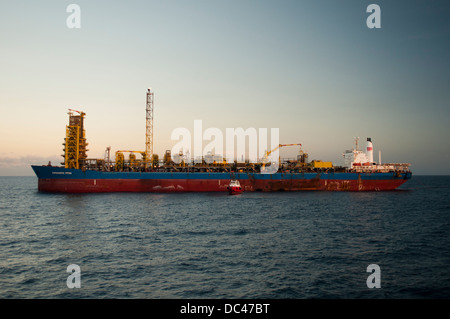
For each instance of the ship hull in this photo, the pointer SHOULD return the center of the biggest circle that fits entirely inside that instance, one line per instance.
(62, 180)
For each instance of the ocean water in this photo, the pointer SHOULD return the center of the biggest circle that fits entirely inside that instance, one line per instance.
(208, 245)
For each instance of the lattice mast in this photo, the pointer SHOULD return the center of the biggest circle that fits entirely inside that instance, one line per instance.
(149, 129)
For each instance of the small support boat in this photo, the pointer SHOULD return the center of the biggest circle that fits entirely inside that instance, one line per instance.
(234, 187)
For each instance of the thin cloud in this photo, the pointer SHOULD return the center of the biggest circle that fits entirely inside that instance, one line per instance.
(27, 160)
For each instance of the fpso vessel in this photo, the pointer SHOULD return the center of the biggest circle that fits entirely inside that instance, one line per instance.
(60, 179)
(80, 174)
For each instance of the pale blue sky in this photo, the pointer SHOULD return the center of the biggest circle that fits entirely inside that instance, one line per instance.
(311, 68)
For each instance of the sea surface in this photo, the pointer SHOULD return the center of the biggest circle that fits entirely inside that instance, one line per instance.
(208, 245)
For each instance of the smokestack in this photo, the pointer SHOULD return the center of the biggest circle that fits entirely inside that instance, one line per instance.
(379, 157)
(369, 150)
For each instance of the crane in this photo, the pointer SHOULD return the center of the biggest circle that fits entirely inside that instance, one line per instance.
(264, 159)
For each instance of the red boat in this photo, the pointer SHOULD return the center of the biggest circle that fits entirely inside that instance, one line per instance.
(234, 187)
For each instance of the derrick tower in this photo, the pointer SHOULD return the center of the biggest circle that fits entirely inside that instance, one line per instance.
(149, 130)
(75, 142)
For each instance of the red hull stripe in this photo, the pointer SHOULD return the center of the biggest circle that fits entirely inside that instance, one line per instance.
(209, 185)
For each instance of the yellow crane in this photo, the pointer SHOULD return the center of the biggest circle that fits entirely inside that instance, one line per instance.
(264, 160)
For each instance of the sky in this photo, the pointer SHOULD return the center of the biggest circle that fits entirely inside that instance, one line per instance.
(313, 69)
